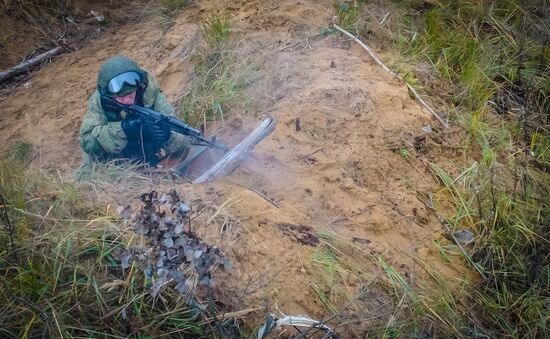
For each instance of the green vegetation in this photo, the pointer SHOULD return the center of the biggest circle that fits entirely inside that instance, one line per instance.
(216, 29)
(64, 280)
(490, 51)
(494, 57)
(491, 65)
(21, 150)
(387, 302)
(218, 79)
(165, 11)
(348, 15)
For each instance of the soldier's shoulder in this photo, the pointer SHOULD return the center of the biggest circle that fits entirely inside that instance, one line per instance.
(94, 99)
(151, 80)
(94, 102)
(151, 92)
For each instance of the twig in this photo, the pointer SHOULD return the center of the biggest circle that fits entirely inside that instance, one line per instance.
(381, 64)
(451, 234)
(361, 211)
(263, 196)
(384, 19)
(9, 225)
(310, 154)
(236, 314)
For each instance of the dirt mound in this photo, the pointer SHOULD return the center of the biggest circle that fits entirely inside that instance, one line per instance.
(337, 163)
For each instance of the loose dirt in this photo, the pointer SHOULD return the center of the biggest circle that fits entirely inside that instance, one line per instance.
(338, 171)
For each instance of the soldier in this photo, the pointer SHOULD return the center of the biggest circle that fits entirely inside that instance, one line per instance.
(107, 133)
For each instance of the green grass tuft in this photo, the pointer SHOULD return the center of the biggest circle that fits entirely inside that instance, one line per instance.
(216, 29)
(348, 15)
(399, 285)
(21, 150)
(218, 80)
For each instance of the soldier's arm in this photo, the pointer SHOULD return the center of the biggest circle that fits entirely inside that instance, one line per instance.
(177, 142)
(99, 136)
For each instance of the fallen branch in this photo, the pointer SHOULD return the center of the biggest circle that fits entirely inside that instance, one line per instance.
(26, 65)
(263, 196)
(381, 64)
(310, 154)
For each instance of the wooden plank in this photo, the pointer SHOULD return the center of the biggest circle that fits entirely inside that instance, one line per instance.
(233, 158)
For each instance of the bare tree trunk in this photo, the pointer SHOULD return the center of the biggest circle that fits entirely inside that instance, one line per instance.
(25, 65)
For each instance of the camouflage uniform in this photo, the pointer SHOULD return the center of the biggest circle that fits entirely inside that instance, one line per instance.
(101, 135)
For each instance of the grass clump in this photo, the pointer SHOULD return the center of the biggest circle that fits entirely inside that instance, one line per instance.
(216, 29)
(218, 77)
(216, 85)
(511, 247)
(60, 276)
(366, 290)
(164, 11)
(493, 52)
(489, 62)
(173, 6)
(21, 150)
(347, 14)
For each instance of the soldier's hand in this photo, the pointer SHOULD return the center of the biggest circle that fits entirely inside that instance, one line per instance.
(159, 132)
(131, 126)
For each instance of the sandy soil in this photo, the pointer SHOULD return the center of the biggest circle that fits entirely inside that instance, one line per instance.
(339, 173)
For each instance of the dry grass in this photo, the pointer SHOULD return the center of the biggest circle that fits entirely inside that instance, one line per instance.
(486, 61)
(64, 278)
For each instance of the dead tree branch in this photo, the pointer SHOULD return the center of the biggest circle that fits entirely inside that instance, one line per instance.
(26, 65)
(396, 75)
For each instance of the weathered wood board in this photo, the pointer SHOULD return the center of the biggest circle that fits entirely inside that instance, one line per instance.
(233, 158)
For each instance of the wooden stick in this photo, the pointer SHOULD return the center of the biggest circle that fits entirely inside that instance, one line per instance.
(236, 314)
(25, 65)
(381, 64)
(262, 195)
(233, 158)
(310, 154)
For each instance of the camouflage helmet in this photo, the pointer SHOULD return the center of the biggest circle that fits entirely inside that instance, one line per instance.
(111, 68)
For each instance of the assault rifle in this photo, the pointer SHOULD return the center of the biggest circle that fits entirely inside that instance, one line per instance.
(175, 125)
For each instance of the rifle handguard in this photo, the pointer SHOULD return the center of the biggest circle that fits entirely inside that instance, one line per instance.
(155, 117)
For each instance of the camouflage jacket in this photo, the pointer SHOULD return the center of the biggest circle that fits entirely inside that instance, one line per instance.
(101, 136)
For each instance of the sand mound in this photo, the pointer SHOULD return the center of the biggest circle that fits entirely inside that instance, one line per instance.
(331, 166)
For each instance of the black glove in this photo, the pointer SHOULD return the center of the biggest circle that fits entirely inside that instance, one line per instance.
(160, 133)
(131, 126)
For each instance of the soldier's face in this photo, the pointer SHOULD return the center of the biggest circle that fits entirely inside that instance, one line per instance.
(128, 99)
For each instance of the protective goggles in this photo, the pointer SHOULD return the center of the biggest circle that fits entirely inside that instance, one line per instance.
(116, 84)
